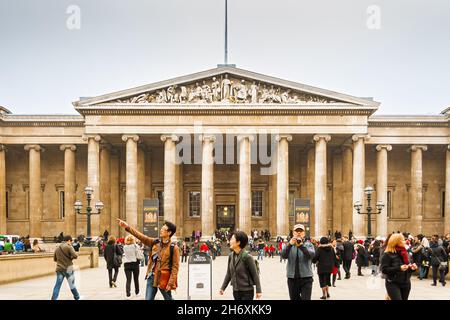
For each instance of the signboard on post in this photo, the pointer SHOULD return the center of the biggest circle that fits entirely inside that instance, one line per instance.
(150, 216)
(303, 214)
(199, 276)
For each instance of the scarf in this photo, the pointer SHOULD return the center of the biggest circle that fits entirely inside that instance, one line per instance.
(403, 253)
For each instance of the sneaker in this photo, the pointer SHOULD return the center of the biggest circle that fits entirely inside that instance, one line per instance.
(128, 297)
(444, 283)
(323, 298)
(328, 295)
(433, 284)
(114, 284)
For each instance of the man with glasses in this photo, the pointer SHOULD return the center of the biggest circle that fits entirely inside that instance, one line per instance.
(299, 253)
(162, 271)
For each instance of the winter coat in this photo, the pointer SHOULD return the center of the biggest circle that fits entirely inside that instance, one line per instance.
(390, 267)
(111, 249)
(305, 253)
(242, 273)
(375, 253)
(360, 255)
(437, 255)
(348, 251)
(325, 259)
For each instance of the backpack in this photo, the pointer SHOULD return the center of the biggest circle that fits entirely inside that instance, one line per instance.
(246, 256)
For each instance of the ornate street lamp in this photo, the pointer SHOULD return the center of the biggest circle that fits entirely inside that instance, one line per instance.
(358, 205)
(78, 205)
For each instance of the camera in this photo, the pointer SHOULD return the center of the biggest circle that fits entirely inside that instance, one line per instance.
(299, 240)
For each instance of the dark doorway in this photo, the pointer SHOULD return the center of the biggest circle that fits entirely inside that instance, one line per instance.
(225, 217)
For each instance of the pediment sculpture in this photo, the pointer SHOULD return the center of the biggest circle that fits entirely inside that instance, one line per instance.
(225, 89)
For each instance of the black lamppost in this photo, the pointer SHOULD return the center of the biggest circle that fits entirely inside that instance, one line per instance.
(79, 205)
(368, 191)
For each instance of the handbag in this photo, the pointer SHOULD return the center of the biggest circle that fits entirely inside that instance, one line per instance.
(164, 275)
(139, 254)
(117, 259)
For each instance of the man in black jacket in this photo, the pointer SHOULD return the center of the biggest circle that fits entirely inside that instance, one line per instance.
(347, 256)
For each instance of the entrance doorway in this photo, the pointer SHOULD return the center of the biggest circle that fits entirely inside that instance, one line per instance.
(225, 217)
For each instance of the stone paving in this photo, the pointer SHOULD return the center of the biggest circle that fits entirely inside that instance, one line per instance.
(93, 285)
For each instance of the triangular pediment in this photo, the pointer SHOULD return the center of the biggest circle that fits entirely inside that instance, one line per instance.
(225, 85)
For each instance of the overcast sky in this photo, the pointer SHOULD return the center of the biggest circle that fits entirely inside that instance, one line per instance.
(399, 54)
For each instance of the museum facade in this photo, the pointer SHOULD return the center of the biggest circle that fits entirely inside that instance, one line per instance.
(225, 148)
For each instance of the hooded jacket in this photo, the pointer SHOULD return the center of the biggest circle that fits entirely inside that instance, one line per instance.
(325, 258)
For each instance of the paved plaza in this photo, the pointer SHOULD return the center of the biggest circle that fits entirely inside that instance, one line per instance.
(93, 285)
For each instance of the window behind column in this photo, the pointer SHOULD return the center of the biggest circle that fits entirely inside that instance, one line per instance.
(257, 203)
(194, 203)
(161, 202)
(443, 203)
(61, 205)
(389, 204)
(7, 204)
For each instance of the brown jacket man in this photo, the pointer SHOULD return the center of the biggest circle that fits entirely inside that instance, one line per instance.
(155, 244)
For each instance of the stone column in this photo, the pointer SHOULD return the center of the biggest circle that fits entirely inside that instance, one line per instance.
(169, 177)
(245, 183)
(416, 190)
(382, 188)
(105, 188)
(35, 190)
(70, 219)
(337, 191)
(310, 168)
(115, 192)
(141, 185)
(93, 177)
(320, 185)
(3, 228)
(347, 198)
(131, 205)
(447, 191)
(283, 185)
(207, 193)
(359, 170)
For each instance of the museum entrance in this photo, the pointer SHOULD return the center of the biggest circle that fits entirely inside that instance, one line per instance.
(225, 217)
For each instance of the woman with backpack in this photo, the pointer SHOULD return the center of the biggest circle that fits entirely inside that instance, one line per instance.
(113, 256)
(326, 260)
(131, 263)
(438, 261)
(397, 268)
(242, 270)
(360, 256)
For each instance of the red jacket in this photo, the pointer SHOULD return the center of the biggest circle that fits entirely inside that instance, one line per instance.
(204, 248)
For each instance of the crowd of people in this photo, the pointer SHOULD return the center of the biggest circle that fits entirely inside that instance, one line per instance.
(21, 245)
(396, 258)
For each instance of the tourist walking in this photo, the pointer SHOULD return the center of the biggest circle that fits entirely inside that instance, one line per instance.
(438, 261)
(261, 247)
(162, 271)
(397, 269)
(131, 264)
(360, 256)
(184, 252)
(63, 256)
(326, 260)
(113, 256)
(375, 251)
(241, 270)
(347, 256)
(338, 250)
(299, 253)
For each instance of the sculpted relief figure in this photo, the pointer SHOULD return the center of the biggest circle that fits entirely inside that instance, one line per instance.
(253, 93)
(226, 88)
(170, 94)
(265, 95)
(215, 86)
(206, 93)
(162, 97)
(183, 94)
(241, 91)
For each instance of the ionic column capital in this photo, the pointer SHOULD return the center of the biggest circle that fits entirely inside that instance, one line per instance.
(279, 137)
(126, 137)
(72, 147)
(35, 147)
(380, 147)
(448, 147)
(96, 137)
(3, 147)
(172, 137)
(356, 137)
(207, 137)
(318, 137)
(242, 137)
(416, 147)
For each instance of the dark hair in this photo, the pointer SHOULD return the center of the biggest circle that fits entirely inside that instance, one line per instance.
(324, 240)
(242, 237)
(171, 228)
(67, 238)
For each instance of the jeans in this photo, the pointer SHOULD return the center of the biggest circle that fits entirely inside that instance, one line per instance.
(69, 275)
(184, 258)
(110, 275)
(260, 254)
(347, 265)
(151, 291)
(423, 272)
(243, 295)
(397, 291)
(300, 288)
(132, 269)
(441, 273)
